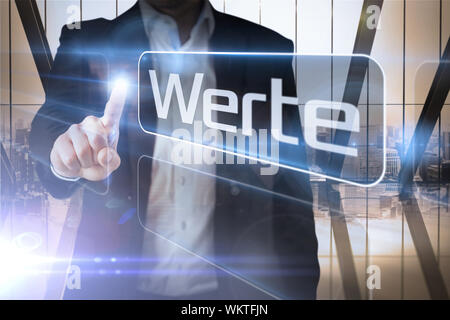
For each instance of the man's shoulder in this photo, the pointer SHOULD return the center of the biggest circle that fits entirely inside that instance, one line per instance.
(87, 32)
(257, 37)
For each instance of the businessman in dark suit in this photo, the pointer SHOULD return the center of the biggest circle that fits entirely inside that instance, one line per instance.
(86, 137)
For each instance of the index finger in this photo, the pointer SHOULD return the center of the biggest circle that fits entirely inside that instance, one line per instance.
(114, 106)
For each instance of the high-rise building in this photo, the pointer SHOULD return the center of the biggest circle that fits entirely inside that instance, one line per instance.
(392, 163)
(446, 145)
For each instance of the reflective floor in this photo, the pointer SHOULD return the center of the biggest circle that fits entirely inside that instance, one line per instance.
(378, 231)
(380, 236)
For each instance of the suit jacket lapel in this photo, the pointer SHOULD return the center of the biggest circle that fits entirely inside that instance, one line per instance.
(128, 42)
(232, 74)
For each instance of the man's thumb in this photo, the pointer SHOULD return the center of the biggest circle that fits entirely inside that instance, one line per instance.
(109, 158)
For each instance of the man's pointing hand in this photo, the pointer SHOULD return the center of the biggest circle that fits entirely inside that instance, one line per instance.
(89, 149)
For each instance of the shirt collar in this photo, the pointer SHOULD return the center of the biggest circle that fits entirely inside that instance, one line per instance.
(152, 17)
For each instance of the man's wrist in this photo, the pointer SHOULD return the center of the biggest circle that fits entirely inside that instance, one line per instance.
(56, 174)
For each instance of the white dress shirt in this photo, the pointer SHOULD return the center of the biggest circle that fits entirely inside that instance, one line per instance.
(180, 202)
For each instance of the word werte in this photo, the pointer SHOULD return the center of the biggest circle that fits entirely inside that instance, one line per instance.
(312, 120)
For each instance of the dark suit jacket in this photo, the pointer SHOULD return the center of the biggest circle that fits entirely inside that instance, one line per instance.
(246, 220)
